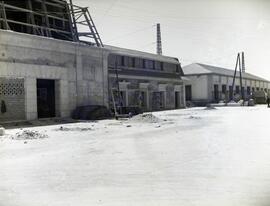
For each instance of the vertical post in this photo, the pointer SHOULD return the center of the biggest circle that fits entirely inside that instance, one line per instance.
(46, 19)
(31, 17)
(237, 60)
(241, 83)
(159, 46)
(74, 25)
(118, 89)
(69, 13)
(4, 16)
(243, 63)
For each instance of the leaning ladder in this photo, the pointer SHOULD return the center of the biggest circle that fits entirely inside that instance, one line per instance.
(81, 17)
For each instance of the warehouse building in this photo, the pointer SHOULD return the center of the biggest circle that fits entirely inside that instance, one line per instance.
(48, 68)
(211, 84)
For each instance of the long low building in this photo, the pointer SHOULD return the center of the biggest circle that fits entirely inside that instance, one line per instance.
(148, 81)
(209, 84)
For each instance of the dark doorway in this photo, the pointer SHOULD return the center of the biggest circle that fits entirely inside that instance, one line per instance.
(177, 97)
(45, 98)
(188, 93)
(216, 93)
(230, 93)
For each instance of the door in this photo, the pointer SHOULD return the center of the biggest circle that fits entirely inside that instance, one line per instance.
(45, 98)
(216, 93)
(177, 99)
(188, 93)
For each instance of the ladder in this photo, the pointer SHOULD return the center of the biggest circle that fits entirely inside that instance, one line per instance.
(81, 17)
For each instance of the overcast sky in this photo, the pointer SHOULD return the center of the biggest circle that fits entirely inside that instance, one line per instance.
(203, 31)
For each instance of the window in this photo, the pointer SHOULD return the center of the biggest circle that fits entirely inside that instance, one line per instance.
(230, 92)
(237, 89)
(224, 89)
(149, 64)
(248, 90)
(122, 61)
(177, 70)
(161, 66)
(144, 63)
(152, 64)
(216, 93)
(119, 60)
(131, 62)
(111, 60)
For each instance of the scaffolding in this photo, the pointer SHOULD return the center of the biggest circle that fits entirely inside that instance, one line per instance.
(57, 19)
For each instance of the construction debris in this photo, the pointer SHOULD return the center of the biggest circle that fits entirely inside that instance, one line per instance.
(28, 135)
(145, 118)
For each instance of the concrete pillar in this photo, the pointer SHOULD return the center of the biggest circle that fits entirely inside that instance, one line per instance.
(31, 98)
(163, 88)
(62, 98)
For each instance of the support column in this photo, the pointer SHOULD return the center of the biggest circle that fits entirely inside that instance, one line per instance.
(145, 88)
(63, 98)
(31, 98)
(163, 88)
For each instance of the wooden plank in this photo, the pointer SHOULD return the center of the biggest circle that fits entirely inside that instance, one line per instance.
(36, 26)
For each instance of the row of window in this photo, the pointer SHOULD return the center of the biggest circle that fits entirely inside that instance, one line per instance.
(135, 62)
(237, 89)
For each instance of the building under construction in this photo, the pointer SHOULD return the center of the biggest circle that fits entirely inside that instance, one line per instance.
(48, 67)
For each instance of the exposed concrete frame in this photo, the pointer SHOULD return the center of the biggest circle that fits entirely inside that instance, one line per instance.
(69, 17)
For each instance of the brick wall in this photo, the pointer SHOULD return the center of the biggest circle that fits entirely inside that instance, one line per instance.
(13, 94)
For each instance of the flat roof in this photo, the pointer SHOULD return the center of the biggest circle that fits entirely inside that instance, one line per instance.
(141, 54)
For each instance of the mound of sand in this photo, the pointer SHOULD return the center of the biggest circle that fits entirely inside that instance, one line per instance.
(28, 135)
(145, 118)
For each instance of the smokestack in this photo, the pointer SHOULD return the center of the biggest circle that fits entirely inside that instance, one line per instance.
(159, 46)
(243, 63)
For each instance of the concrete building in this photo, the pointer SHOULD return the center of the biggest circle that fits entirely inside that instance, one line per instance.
(42, 77)
(151, 82)
(47, 71)
(208, 84)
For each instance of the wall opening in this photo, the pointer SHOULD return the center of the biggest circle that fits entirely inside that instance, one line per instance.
(177, 100)
(45, 98)
(188, 93)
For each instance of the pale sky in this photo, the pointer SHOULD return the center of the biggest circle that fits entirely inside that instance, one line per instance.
(203, 31)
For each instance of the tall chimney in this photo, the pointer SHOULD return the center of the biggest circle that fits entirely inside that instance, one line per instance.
(243, 63)
(159, 46)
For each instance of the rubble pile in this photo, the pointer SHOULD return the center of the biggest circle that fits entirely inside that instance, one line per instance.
(28, 135)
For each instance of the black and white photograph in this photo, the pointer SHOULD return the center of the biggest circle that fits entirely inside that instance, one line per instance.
(134, 103)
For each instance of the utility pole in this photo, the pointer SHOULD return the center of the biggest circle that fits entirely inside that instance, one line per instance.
(159, 45)
(243, 63)
(239, 64)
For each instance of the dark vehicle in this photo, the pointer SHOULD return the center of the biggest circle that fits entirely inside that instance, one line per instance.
(91, 112)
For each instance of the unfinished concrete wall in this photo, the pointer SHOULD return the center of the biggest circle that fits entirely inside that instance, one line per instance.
(157, 94)
(79, 70)
(199, 86)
